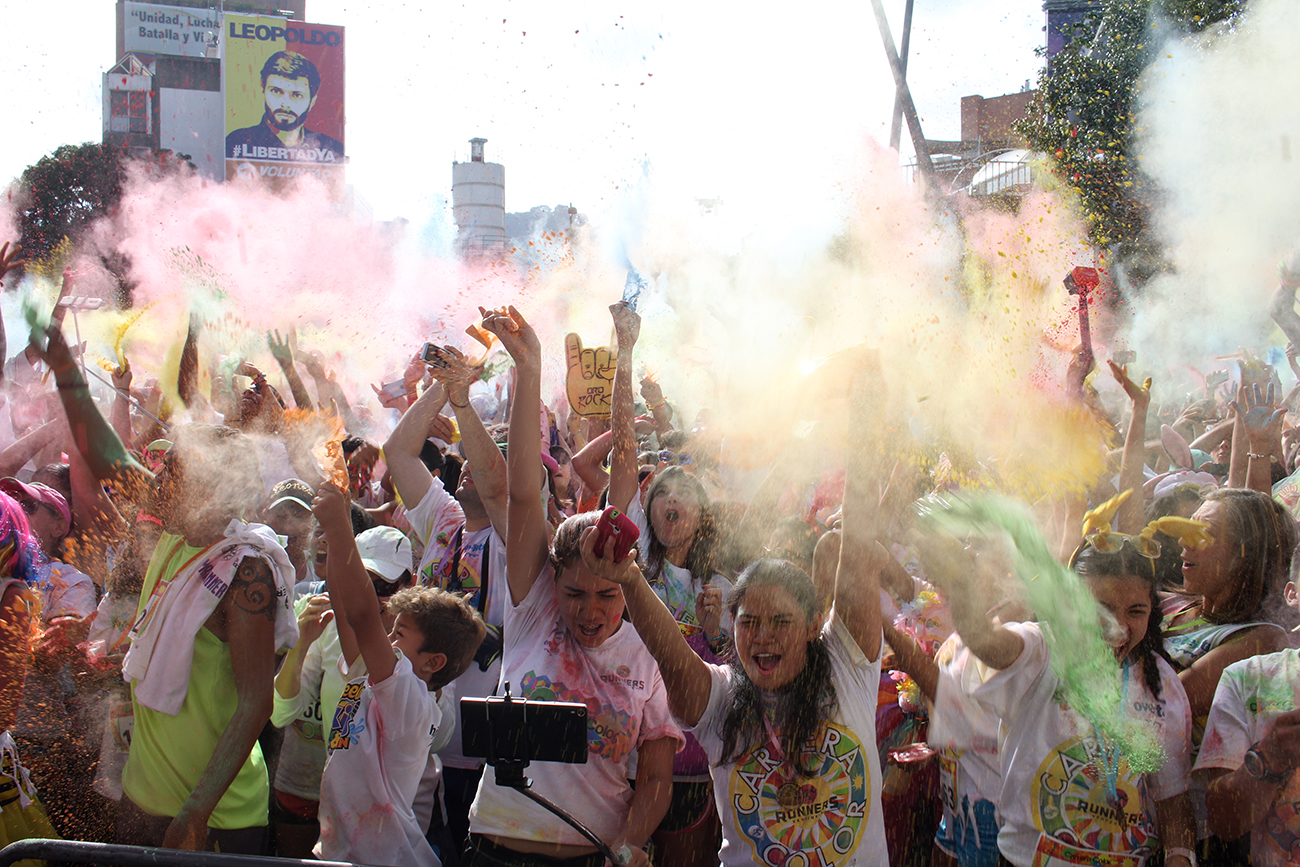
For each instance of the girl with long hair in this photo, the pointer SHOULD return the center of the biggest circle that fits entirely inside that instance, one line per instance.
(788, 724)
(1072, 792)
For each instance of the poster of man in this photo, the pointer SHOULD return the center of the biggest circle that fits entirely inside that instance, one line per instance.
(284, 98)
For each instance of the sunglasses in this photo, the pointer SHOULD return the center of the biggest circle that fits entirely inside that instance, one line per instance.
(30, 507)
(671, 457)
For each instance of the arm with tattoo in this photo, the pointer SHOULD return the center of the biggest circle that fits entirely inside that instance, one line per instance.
(248, 612)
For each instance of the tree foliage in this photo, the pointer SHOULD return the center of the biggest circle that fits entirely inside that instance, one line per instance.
(1083, 114)
(61, 194)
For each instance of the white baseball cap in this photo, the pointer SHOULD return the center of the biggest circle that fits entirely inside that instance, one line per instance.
(386, 552)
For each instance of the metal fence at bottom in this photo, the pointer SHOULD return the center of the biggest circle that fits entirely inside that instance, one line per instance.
(105, 854)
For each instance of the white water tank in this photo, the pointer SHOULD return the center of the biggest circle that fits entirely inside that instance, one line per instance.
(478, 204)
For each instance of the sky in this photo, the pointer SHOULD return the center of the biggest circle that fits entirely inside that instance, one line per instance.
(590, 103)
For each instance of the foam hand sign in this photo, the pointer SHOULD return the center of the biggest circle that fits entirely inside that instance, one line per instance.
(590, 379)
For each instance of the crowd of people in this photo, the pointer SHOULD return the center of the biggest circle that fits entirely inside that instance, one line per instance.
(245, 623)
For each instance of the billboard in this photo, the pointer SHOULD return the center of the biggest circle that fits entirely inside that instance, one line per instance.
(179, 30)
(283, 85)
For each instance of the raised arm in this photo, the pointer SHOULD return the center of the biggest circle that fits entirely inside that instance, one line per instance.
(686, 676)
(623, 465)
(351, 593)
(411, 478)
(1130, 467)
(857, 580)
(187, 374)
(282, 349)
(1282, 305)
(93, 437)
(527, 545)
(1261, 425)
(660, 410)
(951, 568)
(316, 614)
(23, 450)
(121, 412)
(588, 463)
(480, 450)
(918, 664)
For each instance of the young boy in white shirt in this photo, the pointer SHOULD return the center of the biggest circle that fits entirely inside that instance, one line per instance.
(380, 734)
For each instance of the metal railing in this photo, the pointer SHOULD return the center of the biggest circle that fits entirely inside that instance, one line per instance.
(142, 856)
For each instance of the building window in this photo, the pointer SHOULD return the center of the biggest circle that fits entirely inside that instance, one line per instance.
(129, 111)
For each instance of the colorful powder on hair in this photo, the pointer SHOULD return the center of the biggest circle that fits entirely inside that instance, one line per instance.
(1085, 665)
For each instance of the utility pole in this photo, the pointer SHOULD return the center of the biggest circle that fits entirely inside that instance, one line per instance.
(896, 128)
(904, 95)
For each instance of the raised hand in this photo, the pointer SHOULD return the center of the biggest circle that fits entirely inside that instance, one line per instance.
(1139, 394)
(390, 400)
(1261, 416)
(456, 374)
(122, 376)
(51, 348)
(281, 349)
(314, 618)
(627, 324)
(708, 610)
(9, 260)
(651, 392)
(515, 334)
(247, 369)
(443, 428)
(623, 571)
(313, 363)
(331, 508)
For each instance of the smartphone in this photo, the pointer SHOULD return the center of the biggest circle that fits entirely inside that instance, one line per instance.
(431, 355)
(497, 728)
(616, 526)
(1125, 356)
(396, 388)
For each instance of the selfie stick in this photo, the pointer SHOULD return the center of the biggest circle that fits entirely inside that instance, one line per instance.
(128, 396)
(510, 773)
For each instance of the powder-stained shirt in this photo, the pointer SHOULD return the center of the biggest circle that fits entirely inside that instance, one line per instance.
(967, 732)
(1069, 795)
(378, 746)
(772, 815)
(1251, 695)
(627, 706)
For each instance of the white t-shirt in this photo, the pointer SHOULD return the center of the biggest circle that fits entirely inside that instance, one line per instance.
(1250, 696)
(966, 731)
(69, 592)
(772, 816)
(1055, 802)
(302, 756)
(675, 585)
(434, 520)
(627, 706)
(678, 591)
(378, 751)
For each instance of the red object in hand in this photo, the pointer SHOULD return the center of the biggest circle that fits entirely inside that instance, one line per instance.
(912, 753)
(620, 528)
(1084, 279)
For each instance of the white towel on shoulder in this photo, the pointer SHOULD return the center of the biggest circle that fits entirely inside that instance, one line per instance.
(172, 619)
